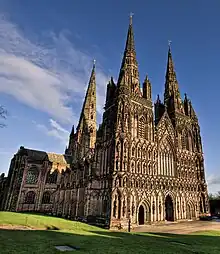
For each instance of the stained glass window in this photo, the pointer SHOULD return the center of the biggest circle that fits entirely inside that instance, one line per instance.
(32, 175)
(30, 197)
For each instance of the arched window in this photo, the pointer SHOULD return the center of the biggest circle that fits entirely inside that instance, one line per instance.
(139, 152)
(30, 197)
(141, 127)
(133, 151)
(32, 175)
(46, 198)
(52, 177)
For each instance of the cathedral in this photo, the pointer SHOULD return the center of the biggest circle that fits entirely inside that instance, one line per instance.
(143, 165)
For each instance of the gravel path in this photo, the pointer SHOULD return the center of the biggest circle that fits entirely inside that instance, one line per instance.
(180, 228)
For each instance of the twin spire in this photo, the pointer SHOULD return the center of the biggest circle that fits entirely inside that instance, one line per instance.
(129, 75)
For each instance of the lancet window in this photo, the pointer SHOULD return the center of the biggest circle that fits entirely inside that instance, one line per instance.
(142, 127)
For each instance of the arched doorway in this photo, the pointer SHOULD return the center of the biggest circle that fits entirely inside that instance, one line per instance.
(169, 209)
(190, 212)
(141, 215)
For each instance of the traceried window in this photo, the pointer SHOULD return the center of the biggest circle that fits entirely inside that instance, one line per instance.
(52, 177)
(141, 127)
(46, 198)
(30, 197)
(32, 175)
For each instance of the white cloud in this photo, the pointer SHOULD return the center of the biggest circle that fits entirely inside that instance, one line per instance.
(213, 182)
(48, 78)
(54, 130)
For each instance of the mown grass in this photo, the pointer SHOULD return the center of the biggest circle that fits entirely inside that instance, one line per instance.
(95, 240)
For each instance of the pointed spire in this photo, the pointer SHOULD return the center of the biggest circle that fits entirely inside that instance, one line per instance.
(170, 74)
(89, 105)
(72, 131)
(147, 88)
(129, 75)
(172, 98)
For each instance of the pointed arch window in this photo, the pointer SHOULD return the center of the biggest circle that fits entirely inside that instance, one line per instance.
(142, 127)
(46, 198)
(32, 175)
(30, 197)
(133, 151)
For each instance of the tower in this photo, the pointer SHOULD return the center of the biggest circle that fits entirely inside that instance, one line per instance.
(83, 140)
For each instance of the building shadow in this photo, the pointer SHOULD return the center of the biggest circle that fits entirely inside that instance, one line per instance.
(103, 241)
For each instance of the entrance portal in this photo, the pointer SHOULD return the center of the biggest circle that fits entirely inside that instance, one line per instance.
(169, 209)
(141, 215)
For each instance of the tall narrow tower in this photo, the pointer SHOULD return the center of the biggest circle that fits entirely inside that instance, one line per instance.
(85, 136)
(172, 98)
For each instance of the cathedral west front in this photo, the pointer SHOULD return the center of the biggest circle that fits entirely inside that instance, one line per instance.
(144, 164)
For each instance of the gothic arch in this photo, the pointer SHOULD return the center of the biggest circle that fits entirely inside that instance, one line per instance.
(166, 158)
(46, 199)
(169, 208)
(190, 210)
(30, 197)
(144, 212)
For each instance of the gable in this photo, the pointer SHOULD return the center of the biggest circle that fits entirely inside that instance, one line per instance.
(165, 128)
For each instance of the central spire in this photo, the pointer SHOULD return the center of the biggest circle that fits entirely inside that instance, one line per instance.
(129, 76)
(172, 98)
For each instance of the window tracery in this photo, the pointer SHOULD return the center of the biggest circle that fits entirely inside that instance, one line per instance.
(46, 198)
(30, 197)
(32, 175)
(165, 159)
(142, 127)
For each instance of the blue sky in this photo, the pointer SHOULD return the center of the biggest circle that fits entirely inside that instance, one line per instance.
(46, 54)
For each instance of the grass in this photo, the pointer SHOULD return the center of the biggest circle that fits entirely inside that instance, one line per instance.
(95, 240)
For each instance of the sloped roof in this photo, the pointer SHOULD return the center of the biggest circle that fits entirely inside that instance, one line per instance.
(40, 156)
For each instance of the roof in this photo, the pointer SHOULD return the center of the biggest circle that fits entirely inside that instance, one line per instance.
(40, 156)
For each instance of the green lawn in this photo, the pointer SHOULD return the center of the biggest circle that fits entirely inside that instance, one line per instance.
(95, 240)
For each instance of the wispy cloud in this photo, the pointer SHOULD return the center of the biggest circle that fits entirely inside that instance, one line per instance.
(54, 130)
(51, 78)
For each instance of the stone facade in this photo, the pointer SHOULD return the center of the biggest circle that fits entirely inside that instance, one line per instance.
(141, 165)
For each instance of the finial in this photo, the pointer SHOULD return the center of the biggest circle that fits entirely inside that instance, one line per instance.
(94, 61)
(169, 44)
(131, 16)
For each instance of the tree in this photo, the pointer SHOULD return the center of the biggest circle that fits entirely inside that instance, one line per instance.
(214, 196)
(3, 115)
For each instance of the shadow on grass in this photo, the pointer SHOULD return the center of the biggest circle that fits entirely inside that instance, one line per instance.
(43, 241)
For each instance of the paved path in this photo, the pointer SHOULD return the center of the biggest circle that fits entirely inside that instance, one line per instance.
(180, 228)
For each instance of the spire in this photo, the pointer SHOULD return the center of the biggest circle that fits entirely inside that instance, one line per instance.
(172, 98)
(129, 76)
(87, 121)
(147, 89)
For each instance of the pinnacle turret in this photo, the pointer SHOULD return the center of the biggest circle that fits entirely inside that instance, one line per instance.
(147, 89)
